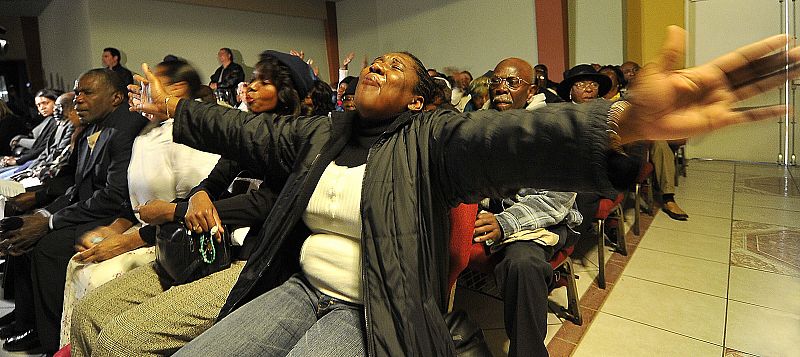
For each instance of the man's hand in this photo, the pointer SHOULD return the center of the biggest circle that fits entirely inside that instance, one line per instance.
(21, 203)
(157, 212)
(213, 86)
(21, 241)
(202, 215)
(9, 161)
(108, 248)
(486, 228)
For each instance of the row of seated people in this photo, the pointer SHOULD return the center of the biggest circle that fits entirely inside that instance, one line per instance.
(346, 254)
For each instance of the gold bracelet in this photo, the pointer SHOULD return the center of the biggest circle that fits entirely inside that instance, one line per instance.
(614, 115)
(166, 105)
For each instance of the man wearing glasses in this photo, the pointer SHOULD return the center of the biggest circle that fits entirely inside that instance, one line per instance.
(524, 230)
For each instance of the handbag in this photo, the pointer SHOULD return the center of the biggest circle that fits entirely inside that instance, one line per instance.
(183, 256)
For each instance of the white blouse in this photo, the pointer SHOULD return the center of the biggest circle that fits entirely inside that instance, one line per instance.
(331, 257)
(162, 169)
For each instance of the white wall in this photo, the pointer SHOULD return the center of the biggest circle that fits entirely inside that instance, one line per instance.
(65, 41)
(469, 34)
(74, 34)
(717, 29)
(597, 32)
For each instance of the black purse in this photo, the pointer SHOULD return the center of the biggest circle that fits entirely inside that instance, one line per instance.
(183, 256)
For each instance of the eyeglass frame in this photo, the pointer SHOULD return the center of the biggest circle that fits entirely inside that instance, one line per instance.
(501, 80)
(583, 84)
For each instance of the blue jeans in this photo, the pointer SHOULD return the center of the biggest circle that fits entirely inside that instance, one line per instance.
(293, 319)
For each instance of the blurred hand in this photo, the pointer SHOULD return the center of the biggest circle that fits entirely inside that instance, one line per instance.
(202, 215)
(674, 104)
(486, 228)
(213, 86)
(93, 237)
(349, 58)
(157, 92)
(157, 212)
(22, 240)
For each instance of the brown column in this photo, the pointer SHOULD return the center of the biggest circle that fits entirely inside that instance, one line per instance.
(33, 50)
(332, 41)
(552, 36)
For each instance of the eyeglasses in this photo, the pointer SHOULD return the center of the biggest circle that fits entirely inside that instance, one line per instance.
(586, 84)
(513, 82)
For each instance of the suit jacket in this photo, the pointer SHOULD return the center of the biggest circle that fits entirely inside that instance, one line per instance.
(101, 175)
(42, 141)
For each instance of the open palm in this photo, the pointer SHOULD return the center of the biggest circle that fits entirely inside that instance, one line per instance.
(675, 104)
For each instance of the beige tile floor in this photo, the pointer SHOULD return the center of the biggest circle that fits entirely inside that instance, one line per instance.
(724, 283)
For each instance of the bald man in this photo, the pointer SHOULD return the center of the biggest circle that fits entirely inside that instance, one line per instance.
(515, 227)
(512, 86)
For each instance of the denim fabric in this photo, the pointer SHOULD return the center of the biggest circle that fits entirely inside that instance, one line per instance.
(293, 319)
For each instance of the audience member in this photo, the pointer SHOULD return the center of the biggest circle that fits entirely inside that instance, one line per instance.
(159, 169)
(629, 70)
(617, 82)
(45, 103)
(479, 94)
(42, 247)
(226, 77)
(11, 125)
(512, 86)
(135, 315)
(524, 230)
(54, 156)
(348, 97)
(460, 93)
(343, 84)
(440, 99)
(318, 101)
(546, 86)
(112, 60)
(582, 84)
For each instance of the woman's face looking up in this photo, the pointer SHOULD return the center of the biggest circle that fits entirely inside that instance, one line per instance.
(386, 87)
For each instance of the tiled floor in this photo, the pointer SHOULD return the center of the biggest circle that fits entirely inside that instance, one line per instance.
(724, 283)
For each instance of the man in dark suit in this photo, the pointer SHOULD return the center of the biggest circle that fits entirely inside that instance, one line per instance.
(41, 249)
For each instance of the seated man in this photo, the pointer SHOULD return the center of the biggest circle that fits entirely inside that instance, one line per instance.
(45, 104)
(54, 156)
(40, 250)
(525, 229)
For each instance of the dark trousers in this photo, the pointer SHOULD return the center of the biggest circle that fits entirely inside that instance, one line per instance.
(524, 276)
(39, 278)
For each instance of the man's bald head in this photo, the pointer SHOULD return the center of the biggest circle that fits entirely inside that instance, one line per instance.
(503, 92)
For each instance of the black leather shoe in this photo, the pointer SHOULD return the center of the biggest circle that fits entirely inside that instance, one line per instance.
(7, 319)
(27, 340)
(8, 331)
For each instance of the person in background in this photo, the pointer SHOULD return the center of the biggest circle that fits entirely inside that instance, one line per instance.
(349, 95)
(546, 86)
(43, 133)
(226, 77)
(479, 94)
(318, 100)
(617, 82)
(111, 60)
(11, 125)
(524, 229)
(629, 70)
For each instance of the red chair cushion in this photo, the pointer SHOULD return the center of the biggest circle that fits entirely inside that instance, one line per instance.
(645, 172)
(605, 206)
(462, 226)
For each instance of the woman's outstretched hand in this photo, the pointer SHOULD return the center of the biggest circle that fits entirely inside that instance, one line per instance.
(667, 103)
(158, 93)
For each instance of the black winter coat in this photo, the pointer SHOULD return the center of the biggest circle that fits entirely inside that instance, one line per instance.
(424, 164)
